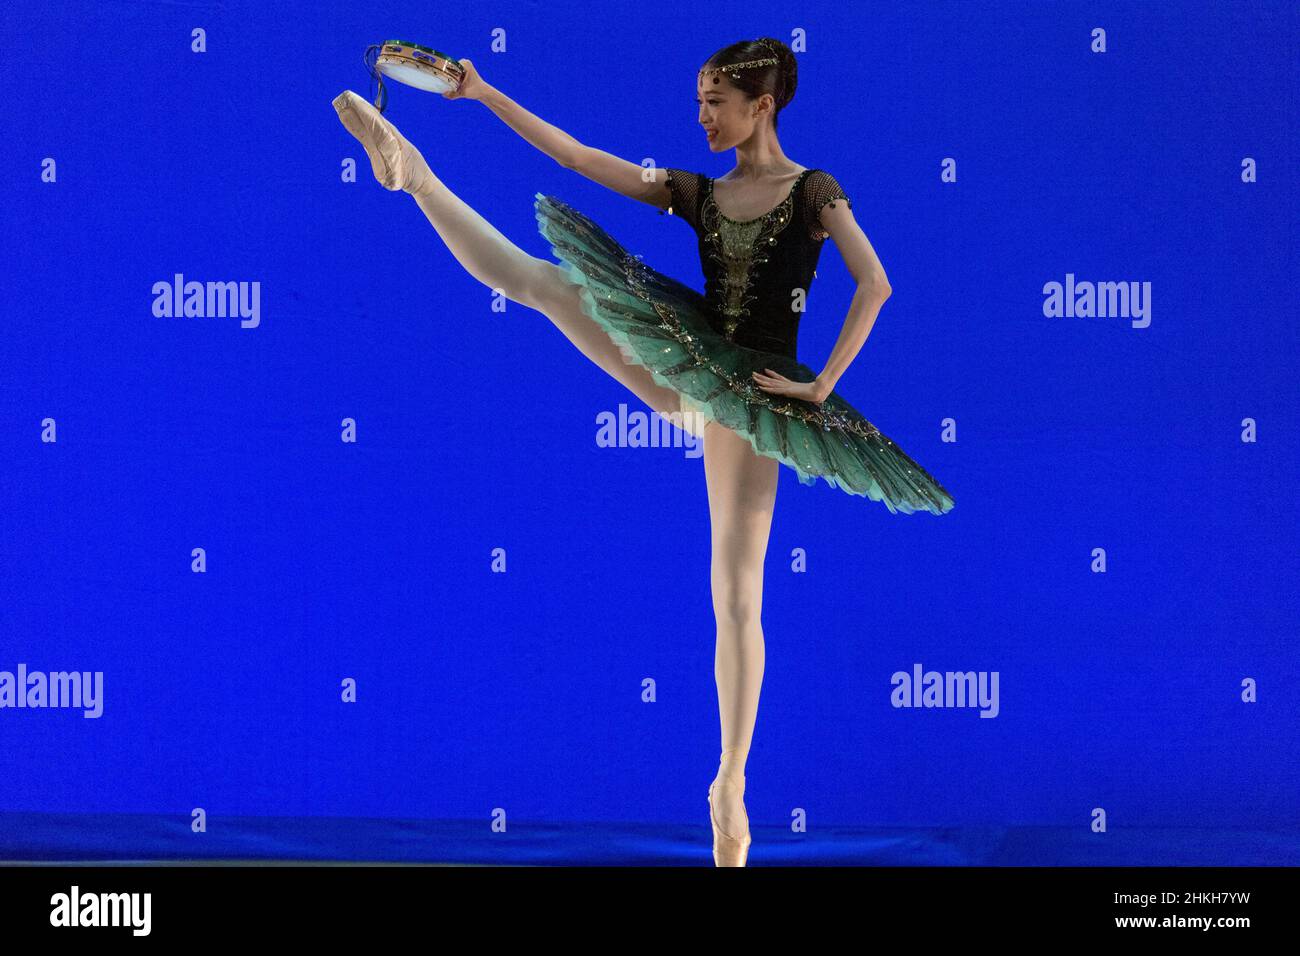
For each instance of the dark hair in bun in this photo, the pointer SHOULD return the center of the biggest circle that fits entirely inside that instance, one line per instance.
(780, 79)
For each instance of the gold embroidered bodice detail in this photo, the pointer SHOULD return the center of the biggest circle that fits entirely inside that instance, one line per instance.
(754, 268)
(740, 249)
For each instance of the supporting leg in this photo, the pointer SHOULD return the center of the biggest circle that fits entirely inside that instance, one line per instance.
(742, 496)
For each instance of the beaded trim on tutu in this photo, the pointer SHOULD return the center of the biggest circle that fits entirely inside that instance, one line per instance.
(662, 325)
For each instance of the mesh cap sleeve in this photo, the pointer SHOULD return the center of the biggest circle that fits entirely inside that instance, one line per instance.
(684, 194)
(821, 190)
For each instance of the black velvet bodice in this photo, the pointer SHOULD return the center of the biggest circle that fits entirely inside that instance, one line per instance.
(757, 273)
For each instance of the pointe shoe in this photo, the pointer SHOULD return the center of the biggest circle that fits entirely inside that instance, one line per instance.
(395, 162)
(727, 849)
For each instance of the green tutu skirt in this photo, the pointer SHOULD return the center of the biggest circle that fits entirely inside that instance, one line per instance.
(663, 325)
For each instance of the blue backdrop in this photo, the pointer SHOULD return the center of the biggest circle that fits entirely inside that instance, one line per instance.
(1121, 552)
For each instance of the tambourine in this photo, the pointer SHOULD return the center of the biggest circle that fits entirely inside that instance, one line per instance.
(420, 66)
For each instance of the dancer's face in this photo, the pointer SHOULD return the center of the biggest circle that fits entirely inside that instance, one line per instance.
(728, 112)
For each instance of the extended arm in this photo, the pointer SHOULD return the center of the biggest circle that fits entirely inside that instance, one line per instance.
(646, 184)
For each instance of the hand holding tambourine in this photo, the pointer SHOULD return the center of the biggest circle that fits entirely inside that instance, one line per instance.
(424, 68)
(472, 86)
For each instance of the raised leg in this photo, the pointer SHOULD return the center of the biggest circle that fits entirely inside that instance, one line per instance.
(494, 260)
(742, 495)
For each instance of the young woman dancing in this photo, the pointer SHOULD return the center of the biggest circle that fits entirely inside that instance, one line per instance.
(721, 365)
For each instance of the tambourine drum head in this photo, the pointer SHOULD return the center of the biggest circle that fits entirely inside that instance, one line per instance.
(420, 66)
(417, 77)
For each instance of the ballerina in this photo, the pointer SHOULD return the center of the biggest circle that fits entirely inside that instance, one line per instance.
(723, 364)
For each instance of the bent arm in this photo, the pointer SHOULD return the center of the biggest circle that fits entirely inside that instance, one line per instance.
(872, 291)
(610, 171)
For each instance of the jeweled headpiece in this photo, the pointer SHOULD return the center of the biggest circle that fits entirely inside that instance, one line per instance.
(730, 68)
(765, 61)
